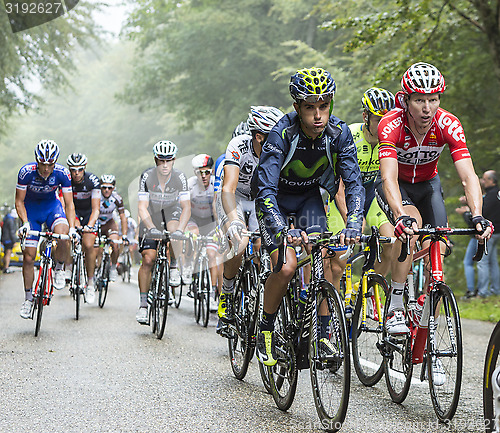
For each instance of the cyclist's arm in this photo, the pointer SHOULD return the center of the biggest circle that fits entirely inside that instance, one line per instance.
(340, 201)
(19, 203)
(123, 220)
(96, 204)
(231, 176)
(185, 214)
(69, 207)
(144, 215)
(390, 185)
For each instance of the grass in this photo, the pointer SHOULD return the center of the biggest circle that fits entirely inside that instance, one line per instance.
(486, 309)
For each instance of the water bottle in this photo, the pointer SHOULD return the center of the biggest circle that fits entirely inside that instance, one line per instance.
(303, 298)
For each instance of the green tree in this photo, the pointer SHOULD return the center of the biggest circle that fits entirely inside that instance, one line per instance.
(40, 56)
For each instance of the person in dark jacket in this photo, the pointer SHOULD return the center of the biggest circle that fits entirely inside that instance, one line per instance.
(488, 273)
(9, 236)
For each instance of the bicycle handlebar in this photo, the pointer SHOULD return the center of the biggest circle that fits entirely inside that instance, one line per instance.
(45, 234)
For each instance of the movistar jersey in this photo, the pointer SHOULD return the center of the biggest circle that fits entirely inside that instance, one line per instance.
(37, 188)
(308, 168)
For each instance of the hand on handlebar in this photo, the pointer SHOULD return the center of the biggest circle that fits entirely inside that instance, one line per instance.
(295, 237)
(23, 230)
(484, 227)
(405, 228)
(234, 232)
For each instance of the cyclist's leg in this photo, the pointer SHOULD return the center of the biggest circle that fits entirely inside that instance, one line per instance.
(148, 252)
(376, 217)
(334, 267)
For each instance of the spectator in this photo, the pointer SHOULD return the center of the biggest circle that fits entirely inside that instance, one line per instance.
(469, 270)
(488, 274)
(8, 237)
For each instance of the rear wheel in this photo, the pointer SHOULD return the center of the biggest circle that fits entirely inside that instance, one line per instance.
(444, 354)
(177, 291)
(367, 337)
(491, 379)
(284, 375)
(330, 372)
(398, 366)
(161, 302)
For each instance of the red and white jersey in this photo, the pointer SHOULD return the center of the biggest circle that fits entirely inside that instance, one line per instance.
(418, 162)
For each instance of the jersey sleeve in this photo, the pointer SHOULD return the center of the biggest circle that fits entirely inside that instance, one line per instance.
(119, 203)
(183, 190)
(23, 177)
(233, 153)
(65, 181)
(389, 130)
(143, 194)
(453, 134)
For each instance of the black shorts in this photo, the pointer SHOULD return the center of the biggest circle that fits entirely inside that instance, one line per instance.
(83, 216)
(426, 196)
(172, 213)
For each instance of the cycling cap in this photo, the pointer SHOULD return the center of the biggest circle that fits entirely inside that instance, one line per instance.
(202, 160)
(263, 119)
(165, 150)
(378, 101)
(422, 78)
(47, 151)
(241, 129)
(108, 179)
(312, 85)
(76, 160)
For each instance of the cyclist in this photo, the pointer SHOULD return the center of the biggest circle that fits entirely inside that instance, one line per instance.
(242, 157)
(375, 102)
(111, 201)
(36, 204)
(412, 137)
(307, 148)
(160, 188)
(201, 193)
(86, 198)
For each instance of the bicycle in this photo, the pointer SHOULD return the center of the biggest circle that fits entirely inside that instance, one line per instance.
(298, 340)
(78, 281)
(201, 284)
(366, 324)
(491, 383)
(435, 337)
(125, 263)
(43, 290)
(102, 271)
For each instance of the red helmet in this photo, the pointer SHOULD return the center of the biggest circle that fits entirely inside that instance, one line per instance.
(422, 78)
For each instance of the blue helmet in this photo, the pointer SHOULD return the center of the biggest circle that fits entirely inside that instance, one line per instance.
(312, 85)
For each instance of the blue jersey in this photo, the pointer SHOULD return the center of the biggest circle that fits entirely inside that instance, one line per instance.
(293, 164)
(39, 189)
(219, 171)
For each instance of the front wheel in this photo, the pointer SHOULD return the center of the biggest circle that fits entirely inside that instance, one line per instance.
(103, 280)
(329, 362)
(491, 381)
(367, 334)
(76, 282)
(444, 353)
(40, 292)
(205, 286)
(161, 302)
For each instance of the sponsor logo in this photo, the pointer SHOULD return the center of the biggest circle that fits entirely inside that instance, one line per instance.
(384, 154)
(453, 125)
(391, 126)
(235, 155)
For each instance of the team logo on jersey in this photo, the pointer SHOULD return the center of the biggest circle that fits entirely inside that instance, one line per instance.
(391, 126)
(406, 145)
(303, 172)
(454, 127)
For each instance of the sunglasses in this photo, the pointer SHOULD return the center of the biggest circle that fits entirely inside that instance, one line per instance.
(206, 172)
(107, 187)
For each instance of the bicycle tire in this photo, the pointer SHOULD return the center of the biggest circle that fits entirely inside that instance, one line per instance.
(161, 302)
(283, 376)
(205, 287)
(177, 291)
(76, 288)
(330, 378)
(195, 288)
(40, 295)
(367, 339)
(103, 292)
(241, 345)
(490, 365)
(398, 366)
(446, 345)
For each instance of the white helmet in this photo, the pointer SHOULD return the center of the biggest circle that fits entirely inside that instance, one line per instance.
(165, 150)
(263, 118)
(108, 178)
(47, 151)
(202, 160)
(76, 160)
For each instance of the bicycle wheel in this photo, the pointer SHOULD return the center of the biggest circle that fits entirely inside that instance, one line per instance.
(491, 364)
(77, 285)
(195, 289)
(367, 337)
(398, 366)
(40, 291)
(330, 373)
(205, 286)
(161, 302)
(104, 281)
(284, 375)
(444, 354)
(177, 291)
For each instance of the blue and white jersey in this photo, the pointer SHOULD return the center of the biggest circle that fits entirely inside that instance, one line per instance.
(37, 188)
(219, 172)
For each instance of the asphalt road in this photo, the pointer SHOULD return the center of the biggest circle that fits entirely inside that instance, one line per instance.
(107, 373)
